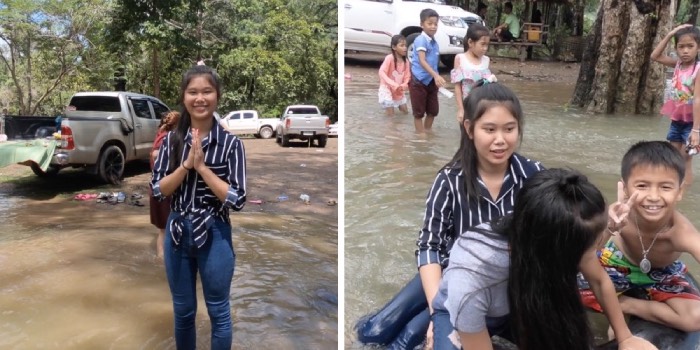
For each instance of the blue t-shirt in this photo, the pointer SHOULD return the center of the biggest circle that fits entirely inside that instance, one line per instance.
(432, 55)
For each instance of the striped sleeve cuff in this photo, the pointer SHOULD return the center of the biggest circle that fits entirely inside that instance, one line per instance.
(428, 256)
(157, 194)
(232, 200)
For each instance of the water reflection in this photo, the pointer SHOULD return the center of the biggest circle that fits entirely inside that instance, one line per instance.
(389, 169)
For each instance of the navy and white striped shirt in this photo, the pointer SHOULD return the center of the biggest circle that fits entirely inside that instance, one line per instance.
(449, 211)
(225, 156)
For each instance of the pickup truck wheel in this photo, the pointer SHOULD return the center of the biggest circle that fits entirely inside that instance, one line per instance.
(448, 60)
(265, 132)
(409, 45)
(50, 171)
(111, 165)
(285, 140)
(322, 141)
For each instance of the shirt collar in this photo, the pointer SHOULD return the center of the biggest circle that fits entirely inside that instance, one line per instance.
(521, 168)
(427, 36)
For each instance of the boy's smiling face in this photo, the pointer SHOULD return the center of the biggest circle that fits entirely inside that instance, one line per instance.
(659, 190)
(430, 26)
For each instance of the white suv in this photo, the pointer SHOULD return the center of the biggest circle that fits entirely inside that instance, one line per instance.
(370, 24)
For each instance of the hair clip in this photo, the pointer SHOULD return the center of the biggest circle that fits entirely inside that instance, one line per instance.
(487, 80)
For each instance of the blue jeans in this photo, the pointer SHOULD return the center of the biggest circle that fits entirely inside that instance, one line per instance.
(442, 328)
(402, 323)
(214, 261)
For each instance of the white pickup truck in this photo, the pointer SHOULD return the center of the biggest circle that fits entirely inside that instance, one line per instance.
(249, 122)
(303, 122)
(101, 131)
(370, 24)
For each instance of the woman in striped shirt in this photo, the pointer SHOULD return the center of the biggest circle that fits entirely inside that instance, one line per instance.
(478, 185)
(203, 167)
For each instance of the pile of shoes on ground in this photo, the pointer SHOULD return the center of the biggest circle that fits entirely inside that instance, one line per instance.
(119, 197)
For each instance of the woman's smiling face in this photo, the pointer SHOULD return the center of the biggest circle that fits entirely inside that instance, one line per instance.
(200, 98)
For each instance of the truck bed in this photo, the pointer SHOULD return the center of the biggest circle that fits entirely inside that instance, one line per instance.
(21, 127)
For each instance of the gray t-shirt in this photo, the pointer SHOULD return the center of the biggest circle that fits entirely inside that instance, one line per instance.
(475, 284)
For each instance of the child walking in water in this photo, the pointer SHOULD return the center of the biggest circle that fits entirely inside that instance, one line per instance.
(471, 66)
(425, 78)
(478, 185)
(680, 104)
(394, 76)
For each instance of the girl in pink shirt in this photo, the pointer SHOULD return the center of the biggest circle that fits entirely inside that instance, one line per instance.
(680, 104)
(394, 75)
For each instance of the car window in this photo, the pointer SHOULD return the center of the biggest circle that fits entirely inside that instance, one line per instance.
(96, 103)
(302, 111)
(235, 116)
(141, 108)
(248, 115)
(160, 109)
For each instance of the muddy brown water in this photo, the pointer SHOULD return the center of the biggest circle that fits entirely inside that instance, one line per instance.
(389, 170)
(83, 276)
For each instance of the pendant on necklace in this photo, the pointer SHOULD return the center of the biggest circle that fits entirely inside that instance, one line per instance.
(645, 265)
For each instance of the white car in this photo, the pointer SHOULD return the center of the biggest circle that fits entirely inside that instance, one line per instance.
(333, 130)
(369, 25)
(249, 122)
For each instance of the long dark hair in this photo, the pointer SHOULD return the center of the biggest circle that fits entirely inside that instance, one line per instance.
(395, 40)
(557, 216)
(481, 99)
(183, 126)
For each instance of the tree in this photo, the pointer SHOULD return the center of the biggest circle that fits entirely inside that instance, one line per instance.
(616, 73)
(43, 43)
(268, 53)
(282, 54)
(143, 24)
(694, 7)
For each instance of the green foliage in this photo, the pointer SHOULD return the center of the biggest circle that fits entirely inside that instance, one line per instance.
(46, 46)
(269, 53)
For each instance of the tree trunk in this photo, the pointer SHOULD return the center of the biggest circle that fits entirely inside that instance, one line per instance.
(694, 6)
(577, 25)
(635, 53)
(156, 73)
(588, 62)
(28, 106)
(651, 99)
(615, 22)
(616, 73)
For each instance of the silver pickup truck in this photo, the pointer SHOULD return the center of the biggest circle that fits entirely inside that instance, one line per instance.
(102, 131)
(303, 122)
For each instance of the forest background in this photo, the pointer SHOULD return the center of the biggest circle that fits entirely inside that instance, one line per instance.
(269, 53)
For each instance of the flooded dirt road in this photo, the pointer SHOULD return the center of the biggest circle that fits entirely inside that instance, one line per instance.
(82, 275)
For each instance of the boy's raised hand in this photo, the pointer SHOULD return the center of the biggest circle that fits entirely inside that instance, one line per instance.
(618, 211)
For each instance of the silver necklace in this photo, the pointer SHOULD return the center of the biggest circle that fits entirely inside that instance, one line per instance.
(645, 264)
